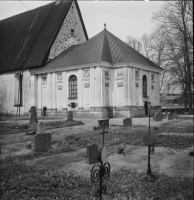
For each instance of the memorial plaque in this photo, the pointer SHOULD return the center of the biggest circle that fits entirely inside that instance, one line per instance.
(149, 140)
(92, 154)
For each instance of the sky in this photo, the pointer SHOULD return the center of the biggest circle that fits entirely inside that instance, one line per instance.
(122, 18)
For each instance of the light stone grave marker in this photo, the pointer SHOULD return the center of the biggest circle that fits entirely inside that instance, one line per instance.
(40, 128)
(158, 117)
(42, 141)
(169, 116)
(127, 123)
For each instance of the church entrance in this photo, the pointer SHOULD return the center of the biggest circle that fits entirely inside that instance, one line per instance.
(146, 107)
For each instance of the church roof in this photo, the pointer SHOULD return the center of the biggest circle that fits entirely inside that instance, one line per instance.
(102, 47)
(26, 39)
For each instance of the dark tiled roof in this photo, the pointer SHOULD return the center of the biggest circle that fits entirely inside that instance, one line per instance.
(30, 35)
(102, 47)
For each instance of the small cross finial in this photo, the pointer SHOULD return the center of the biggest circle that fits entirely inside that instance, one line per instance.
(104, 26)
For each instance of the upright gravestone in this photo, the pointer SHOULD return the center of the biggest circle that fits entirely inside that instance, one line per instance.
(70, 116)
(158, 117)
(127, 123)
(169, 116)
(42, 141)
(33, 115)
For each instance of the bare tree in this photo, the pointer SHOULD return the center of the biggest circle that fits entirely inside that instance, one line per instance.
(176, 22)
(134, 43)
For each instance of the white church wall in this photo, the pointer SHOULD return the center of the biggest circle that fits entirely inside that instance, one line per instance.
(92, 86)
(64, 90)
(59, 90)
(130, 85)
(98, 86)
(119, 87)
(7, 93)
(80, 89)
(86, 87)
(53, 91)
(126, 86)
(71, 33)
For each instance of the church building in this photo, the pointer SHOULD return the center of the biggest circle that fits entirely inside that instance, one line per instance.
(47, 61)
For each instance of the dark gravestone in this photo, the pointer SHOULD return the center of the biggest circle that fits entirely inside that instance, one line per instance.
(33, 115)
(42, 141)
(70, 116)
(127, 123)
(169, 116)
(92, 154)
(158, 117)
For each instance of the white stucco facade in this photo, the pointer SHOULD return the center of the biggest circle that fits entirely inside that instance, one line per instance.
(103, 90)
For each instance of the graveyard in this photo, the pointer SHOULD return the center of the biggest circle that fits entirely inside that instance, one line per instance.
(61, 169)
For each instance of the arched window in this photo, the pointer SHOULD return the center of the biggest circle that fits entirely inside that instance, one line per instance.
(73, 87)
(18, 89)
(144, 85)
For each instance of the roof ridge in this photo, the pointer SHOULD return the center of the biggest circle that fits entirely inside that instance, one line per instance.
(105, 41)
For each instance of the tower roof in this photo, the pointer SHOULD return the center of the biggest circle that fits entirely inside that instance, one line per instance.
(102, 47)
(26, 39)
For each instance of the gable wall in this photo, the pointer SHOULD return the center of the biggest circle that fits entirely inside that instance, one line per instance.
(64, 38)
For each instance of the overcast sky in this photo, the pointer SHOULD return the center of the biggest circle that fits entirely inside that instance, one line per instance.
(122, 18)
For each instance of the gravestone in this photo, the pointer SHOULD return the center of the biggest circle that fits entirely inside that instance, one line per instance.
(127, 123)
(70, 116)
(33, 115)
(42, 141)
(40, 128)
(158, 117)
(169, 116)
(92, 154)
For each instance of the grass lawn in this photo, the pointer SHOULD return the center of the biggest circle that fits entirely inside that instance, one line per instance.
(22, 182)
